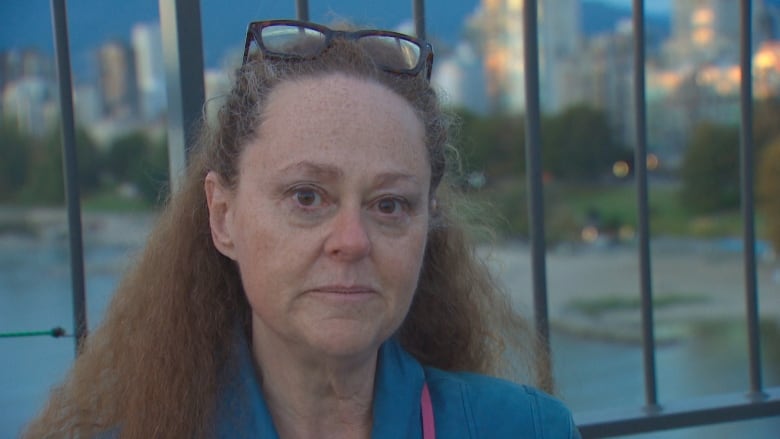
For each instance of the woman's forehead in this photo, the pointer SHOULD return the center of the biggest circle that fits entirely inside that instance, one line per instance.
(335, 92)
(342, 120)
(338, 108)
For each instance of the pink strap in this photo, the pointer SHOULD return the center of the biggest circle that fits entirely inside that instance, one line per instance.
(428, 424)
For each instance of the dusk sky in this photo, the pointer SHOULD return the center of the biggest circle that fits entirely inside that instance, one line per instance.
(27, 23)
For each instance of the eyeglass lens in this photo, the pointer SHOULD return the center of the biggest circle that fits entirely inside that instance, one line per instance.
(392, 52)
(403, 54)
(293, 40)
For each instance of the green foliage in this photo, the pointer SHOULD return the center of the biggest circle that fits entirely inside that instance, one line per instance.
(494, 144)
(45, 183)
(578, 145)
(31, 169)
(710, 169)
(137, 160)
(151, 173)
(14, 160)
(123, 153)
(765, 126)
(768, 188)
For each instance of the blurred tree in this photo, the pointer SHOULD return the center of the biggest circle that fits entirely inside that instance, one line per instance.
(141, 161)
(123, 154)
(765, 126)
(768, 188)
(15, 148)
(710, 169)
(150, 173)
(578, 145)
(44, 184)
(494, 145)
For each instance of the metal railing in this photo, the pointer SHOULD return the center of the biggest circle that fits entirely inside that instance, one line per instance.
(185, 98)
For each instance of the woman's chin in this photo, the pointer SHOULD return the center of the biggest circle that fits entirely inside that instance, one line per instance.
(346, 341)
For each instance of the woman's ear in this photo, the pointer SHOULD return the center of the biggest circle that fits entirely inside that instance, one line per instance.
(219, 200)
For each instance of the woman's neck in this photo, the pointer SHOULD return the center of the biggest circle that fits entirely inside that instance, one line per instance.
(311, 397)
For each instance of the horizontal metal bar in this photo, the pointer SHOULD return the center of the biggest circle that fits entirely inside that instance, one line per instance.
(53, 332)
(689, 413)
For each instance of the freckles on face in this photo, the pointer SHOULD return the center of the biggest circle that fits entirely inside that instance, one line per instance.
(330, 216)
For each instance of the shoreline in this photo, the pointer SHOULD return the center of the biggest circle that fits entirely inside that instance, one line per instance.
(593, 292)
(50, 225)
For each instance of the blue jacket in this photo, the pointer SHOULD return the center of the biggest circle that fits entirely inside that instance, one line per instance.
(465, 405)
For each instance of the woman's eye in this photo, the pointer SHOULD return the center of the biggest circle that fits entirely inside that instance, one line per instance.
(389, 206)
(307, 197)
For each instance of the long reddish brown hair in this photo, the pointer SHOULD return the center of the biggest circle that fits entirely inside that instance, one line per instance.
(151, 369)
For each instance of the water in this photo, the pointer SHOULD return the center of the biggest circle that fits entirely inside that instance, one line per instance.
(35, 296)
(591, 374)
(595, 375)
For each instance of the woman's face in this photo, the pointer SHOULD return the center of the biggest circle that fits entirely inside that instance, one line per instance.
(329, 220)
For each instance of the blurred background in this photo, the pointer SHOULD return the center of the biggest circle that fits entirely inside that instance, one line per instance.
(586, 56)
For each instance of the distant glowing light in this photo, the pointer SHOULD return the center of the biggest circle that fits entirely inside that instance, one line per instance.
(515, 5)
(620, 169)
(703, 17)
(590, 234)
(765, 60)
(703, 36)
(652, 162)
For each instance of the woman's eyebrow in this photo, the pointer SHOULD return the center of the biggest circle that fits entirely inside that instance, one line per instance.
(387, 178)
(330, 172)
(318, 170)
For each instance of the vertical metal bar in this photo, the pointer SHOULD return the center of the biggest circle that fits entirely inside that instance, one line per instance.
(302, 9)
(748, 203)
(534, 173)
(640, 169)
(418, 9)
(183, 53)
(71, 171)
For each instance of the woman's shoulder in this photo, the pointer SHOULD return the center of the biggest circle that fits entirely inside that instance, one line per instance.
(492, 407)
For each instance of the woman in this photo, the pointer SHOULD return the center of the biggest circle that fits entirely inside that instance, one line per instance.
(310, 279)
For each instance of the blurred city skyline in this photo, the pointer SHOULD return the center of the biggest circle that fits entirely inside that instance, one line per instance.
(27, 24)
(586, 58)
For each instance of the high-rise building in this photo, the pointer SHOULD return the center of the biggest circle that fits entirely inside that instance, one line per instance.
(606, 78)
(704, 32)
(461, 80)
(29, 103)
(766, 70)
(498, 27)
(147, 47)
(765, 21)
(118, 86)
(22, 64)
(560, 44)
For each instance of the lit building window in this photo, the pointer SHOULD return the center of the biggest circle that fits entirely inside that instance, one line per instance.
(703, 36)
(703, 17)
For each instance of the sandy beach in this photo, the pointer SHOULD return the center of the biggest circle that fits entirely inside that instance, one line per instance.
(595, 291)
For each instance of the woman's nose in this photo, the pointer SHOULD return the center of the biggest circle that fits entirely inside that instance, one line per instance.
(348, 237)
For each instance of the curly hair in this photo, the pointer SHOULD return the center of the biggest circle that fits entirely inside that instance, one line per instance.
(152, 368)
